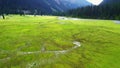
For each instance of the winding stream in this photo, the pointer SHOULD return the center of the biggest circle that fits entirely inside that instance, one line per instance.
(76, 43)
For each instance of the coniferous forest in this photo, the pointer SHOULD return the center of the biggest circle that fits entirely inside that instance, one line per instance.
(109, 9)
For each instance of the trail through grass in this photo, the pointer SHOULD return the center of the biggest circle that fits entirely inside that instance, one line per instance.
(20, 35)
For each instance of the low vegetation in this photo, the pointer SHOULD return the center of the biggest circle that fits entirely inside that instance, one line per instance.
(100, 46)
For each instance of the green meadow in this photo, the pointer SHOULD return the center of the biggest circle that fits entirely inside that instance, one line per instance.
(36, 42)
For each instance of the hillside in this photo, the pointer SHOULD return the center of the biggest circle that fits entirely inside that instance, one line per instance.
(109, 2)
(108, 9)
(44, 6)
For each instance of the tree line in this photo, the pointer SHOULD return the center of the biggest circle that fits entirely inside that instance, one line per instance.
(20, 12)
(106, 11)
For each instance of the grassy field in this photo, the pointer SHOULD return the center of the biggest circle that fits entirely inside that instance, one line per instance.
(22, 35)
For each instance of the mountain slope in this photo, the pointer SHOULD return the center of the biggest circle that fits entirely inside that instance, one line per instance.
(108, 9)
(45, 6)
(75, 3)
(110, 2)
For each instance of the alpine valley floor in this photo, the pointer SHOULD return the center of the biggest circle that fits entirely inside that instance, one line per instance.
(58, 42)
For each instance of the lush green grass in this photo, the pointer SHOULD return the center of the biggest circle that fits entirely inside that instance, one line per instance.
(100, 40)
